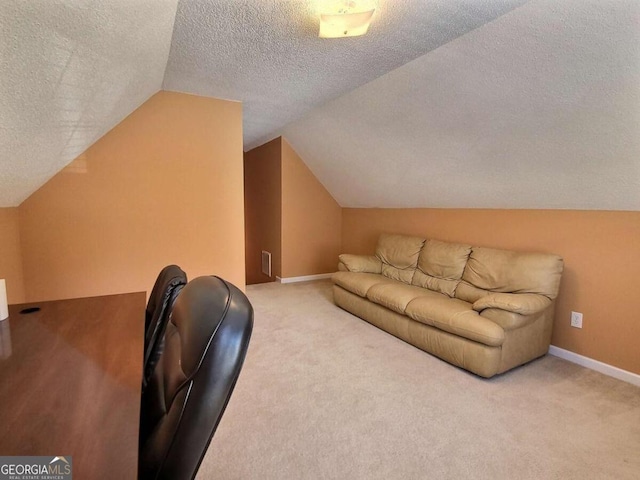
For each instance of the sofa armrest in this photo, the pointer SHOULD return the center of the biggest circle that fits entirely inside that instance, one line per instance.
(359, 263)
(508, 320)
(522, 303)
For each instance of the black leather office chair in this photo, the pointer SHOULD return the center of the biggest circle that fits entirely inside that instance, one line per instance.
(167, 287)
(206, 340)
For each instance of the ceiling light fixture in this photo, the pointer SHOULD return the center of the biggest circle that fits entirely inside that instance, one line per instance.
(347, 20)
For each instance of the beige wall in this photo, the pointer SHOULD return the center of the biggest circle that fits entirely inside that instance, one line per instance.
(303, 231)
(311, 220)
(263, 210)
(164, 186)
(600, 249)
(11, 255)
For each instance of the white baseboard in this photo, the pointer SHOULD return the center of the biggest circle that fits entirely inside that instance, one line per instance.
(601, 367)
(306, 278)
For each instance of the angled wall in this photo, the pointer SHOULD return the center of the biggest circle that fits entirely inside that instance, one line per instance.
(263, 210)
(600, 251)
(11, 254)
(289, 213)
(164, 186)
(311, 220)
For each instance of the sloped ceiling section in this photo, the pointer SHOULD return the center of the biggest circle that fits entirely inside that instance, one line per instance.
(537, 109)
(71, 71)
(267, 53)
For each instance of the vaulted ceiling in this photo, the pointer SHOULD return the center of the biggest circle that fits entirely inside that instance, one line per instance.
(71, 71)
(538, 109)
(445, 103)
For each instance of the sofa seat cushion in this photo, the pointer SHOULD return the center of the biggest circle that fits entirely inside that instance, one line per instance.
(358, 283)
(457, 317)
(396, 295)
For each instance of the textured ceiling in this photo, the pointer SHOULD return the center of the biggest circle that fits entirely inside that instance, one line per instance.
(71, 71)
(267, 54)
(538, 109)
(449, 103)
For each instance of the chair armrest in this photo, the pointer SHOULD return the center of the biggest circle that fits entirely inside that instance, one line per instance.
(359, 263)
(522, 303)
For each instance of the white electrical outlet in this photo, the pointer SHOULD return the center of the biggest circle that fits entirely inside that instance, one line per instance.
(576, 319)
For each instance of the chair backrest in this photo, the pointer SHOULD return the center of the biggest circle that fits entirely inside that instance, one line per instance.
(167, 287)
(206, 340)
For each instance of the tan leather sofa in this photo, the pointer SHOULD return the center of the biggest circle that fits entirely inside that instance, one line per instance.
(482, 309)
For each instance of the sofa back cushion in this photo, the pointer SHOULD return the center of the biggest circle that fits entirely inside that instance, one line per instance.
(490, 270)
(399, 256)
(440, 266)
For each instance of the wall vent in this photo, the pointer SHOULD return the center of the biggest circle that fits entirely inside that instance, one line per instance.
(266, 263)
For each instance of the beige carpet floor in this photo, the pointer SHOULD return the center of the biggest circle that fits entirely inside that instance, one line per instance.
(325, 395)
